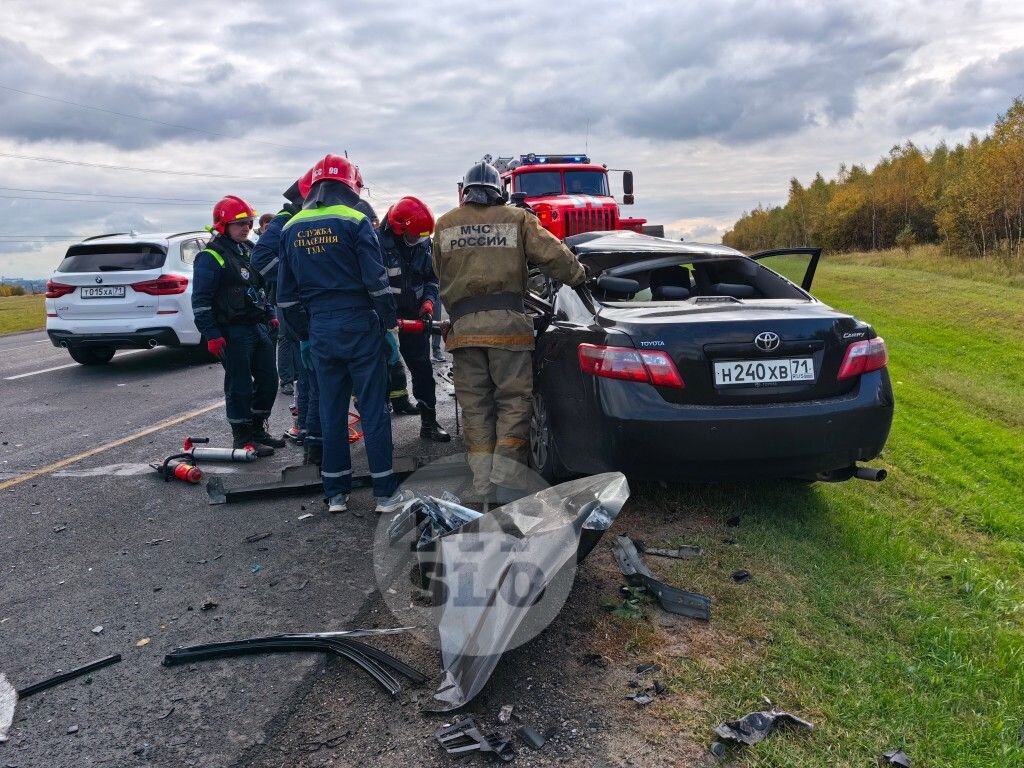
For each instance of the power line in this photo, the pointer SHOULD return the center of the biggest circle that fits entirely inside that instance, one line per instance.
(62, 161)
(148, 119)
(103, 194)
(113, 202)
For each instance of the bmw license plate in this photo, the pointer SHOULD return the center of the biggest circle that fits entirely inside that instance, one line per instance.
(757, 372)
(103, 292)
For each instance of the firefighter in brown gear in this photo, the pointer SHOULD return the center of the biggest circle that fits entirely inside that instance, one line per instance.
(482, 251)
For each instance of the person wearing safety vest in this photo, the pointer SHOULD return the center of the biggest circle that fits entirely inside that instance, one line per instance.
(482, 253)
(234, 316)
(405, 241)
(332, 267)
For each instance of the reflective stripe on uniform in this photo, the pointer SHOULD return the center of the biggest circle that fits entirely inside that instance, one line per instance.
(286, 304)
(393, 289)
(273, 263)
(394, 271)
(327, 212)
(512, 442)
(488, 340)
(217, 256)
(202, 309)
(376, 475)
(336, 474)
(381, 292)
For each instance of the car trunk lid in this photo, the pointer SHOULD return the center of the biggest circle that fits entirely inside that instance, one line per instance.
(715, 347)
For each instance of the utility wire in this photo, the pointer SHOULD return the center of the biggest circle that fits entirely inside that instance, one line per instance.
(113, 202)
(62, 161)
(148, 119)
(103, 194)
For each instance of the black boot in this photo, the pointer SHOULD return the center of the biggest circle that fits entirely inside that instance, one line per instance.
(261, 436)
(429, 428)
(313, 450)
(241, 436)
(403, 406)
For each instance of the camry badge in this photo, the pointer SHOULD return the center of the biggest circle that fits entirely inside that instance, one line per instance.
(767, 341)
(99, 280)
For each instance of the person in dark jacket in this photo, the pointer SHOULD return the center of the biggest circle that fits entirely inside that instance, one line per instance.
(232, 312)
(332, 266)
(265, 258)
(405, 241)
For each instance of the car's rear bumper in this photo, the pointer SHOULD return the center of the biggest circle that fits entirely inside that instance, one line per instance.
(645, 436)
(143, 338)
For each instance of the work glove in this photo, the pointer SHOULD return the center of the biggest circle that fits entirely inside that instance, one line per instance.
(217, 346)
(306, 355)
(391, 337)
(427, 311)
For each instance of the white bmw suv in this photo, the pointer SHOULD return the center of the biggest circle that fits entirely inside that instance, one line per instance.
(124, 291)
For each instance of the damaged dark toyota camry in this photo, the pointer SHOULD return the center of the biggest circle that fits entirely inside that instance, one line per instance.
(683, 361)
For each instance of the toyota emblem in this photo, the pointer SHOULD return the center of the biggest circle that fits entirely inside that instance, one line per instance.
(99, 280)
(767, 341)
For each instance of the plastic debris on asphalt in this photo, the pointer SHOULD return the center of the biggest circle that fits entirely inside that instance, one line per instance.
(672, 599)
(464, 736)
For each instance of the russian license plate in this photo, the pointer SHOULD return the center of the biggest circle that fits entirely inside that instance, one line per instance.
(103, 292)
(755, 372)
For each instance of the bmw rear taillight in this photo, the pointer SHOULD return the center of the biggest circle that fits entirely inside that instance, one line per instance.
(165, 285)
(55, 290)
(627, 364)
(864, 357)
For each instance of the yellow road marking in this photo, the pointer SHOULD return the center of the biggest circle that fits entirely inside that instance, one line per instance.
(107, 446)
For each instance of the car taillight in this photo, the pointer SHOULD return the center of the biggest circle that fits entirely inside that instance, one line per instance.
(864, 357)
(165, 285)
(629, 364)
(55, 290)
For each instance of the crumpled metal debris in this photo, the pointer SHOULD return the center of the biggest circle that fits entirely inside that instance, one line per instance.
(433, 517)
(756, 726)
(672, 599)
(523, 554)
(895, 757)
(464, 736)
(684, 552)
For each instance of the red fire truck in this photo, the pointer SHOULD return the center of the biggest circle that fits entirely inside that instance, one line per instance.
(569, 193)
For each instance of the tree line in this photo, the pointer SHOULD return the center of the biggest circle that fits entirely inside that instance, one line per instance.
(969, 198)
(11, 290)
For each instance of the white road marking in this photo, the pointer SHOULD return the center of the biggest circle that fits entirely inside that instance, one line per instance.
(71, 365)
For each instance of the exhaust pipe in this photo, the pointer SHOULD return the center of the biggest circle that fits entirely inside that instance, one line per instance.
(874, 474)
(151, 343)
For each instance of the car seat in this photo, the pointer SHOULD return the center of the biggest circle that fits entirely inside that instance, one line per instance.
(670, 284)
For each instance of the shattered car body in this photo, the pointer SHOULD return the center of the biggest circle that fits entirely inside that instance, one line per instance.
(498, 579)
(697, 362)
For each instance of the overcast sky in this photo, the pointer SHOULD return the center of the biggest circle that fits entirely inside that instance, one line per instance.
(714, 106)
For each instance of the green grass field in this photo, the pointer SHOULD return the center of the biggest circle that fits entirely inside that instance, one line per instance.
(21, 313)
(889, 614)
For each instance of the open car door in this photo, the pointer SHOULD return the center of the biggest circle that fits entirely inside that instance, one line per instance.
(795, 264)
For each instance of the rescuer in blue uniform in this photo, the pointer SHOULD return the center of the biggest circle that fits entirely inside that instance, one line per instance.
(235, 317)
(265, 258)
(332, 266)
(405, 241)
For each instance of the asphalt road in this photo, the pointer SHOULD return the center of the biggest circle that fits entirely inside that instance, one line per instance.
(90, 537)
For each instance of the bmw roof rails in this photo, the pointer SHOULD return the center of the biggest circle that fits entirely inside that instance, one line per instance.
(191, 232)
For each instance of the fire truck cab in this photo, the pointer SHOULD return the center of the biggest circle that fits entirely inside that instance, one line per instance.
(569, 193)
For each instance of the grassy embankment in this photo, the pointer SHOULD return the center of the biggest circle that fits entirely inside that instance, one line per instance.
(891, 615)
(21, 313)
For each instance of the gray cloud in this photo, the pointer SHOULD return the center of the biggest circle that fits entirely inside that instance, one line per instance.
(979, 92)
(221, 100)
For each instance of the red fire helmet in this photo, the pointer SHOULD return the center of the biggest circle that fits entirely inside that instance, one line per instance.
(305, 183)
(335, 168)
(411, 217)
(230, 209)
